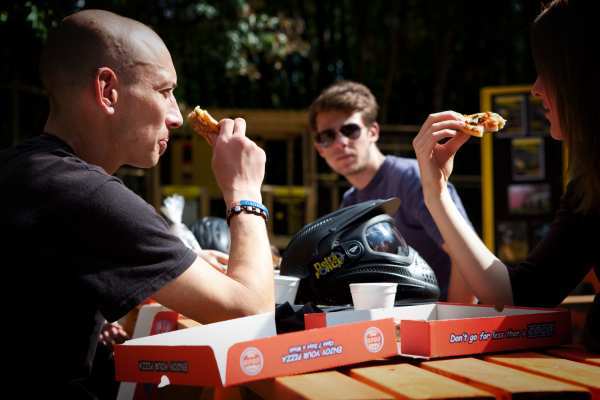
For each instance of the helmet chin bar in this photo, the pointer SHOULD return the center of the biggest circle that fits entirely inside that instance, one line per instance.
(359, 243)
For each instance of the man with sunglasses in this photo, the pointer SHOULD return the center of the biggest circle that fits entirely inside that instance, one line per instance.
(343, 120)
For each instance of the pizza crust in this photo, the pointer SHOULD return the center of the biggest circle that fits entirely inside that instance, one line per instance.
(479, 123)
(204, 124)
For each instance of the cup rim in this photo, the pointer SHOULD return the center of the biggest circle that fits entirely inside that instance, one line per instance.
(373, 284)
(286, 278)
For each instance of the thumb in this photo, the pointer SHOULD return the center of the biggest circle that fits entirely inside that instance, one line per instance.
(456, 142)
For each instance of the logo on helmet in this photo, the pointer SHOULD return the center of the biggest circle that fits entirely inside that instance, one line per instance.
(328, 264)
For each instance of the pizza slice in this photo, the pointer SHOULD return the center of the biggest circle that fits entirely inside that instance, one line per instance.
(204, 124)
(477, 124)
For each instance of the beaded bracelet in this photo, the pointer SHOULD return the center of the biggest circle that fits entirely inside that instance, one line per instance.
(250, 207)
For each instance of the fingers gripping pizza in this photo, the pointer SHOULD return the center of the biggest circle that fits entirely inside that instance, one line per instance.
(204, 124)
(477, 124)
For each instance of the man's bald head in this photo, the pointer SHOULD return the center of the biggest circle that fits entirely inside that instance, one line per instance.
(90, 39)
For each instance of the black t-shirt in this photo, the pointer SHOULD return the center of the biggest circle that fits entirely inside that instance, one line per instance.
(560, 262)
(82, 247)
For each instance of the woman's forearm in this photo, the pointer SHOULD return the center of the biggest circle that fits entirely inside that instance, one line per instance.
(485, 273)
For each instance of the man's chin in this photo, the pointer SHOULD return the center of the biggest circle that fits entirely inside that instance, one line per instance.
(146, 164)
(348, 170)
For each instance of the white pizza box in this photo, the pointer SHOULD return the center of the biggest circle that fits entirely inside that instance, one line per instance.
(450, 329)
(246, 349)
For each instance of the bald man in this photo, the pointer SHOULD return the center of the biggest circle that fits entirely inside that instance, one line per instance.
(85, 247)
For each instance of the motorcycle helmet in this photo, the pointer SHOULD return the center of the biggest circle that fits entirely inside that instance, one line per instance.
(212, 233)
(354, 244)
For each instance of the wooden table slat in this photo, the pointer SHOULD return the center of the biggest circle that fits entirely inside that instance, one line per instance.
(557, 368)
(412, 382)
(318, 386)
(504, 381)
(575, 353)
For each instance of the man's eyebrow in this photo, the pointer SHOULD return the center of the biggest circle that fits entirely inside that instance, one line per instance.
(166, 84)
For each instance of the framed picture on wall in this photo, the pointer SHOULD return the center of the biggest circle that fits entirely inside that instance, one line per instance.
(513, 107)
(522, 170)
(528, 159)
(538, 124)
(529, 199)
(512, 241)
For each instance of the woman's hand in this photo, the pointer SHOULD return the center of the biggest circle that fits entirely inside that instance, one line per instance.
(435, 154)
(111, 334)
(218, 260)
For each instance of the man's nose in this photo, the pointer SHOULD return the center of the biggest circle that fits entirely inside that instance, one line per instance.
(174, 117)
(340, 139)
(535, 88)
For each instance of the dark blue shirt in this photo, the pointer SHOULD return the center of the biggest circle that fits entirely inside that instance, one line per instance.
(399, 177)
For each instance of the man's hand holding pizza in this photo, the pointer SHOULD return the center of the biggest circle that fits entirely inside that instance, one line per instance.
(246, 286)
(239, 168)
(238, 163)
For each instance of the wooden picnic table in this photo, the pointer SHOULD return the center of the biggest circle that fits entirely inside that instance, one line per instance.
(564, 372)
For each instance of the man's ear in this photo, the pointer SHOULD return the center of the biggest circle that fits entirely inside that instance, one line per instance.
(105, 86)
(373, 132)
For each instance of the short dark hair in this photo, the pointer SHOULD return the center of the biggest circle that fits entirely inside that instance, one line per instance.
(69, 55)
(80, 44)
(347, 96)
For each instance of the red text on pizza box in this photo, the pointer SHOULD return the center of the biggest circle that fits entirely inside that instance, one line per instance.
(447, 329)
(247, 349)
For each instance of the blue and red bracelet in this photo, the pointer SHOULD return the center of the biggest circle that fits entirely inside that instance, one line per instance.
(249, 207)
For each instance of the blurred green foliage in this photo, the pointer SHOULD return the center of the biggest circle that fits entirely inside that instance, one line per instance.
(418, 56)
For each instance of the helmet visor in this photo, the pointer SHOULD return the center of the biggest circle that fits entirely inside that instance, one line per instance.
(384, 237)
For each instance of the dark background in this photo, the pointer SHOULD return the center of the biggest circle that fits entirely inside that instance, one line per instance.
(417, 56)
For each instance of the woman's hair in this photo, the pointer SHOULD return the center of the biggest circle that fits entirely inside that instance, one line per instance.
(346, 96)
(562, 46)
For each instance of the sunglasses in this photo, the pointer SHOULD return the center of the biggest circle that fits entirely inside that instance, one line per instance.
(325, 138)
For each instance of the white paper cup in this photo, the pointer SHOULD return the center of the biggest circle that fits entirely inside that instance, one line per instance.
(366, 296)
(286, 288)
